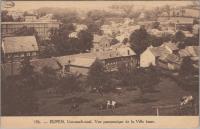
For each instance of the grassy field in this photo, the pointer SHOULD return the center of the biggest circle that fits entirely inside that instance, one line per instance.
(167, 92)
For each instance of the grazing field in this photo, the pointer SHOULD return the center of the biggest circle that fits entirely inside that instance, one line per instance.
(167, 92)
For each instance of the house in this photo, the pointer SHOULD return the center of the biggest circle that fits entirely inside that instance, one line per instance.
(116, 55)
(150, 55)
(192, 52)
(196, 29)
(170, 62)
(81, 63)
(101, 43)
(16, 48)
(164, 56)
(30, 18)
(171, 47)
(77, 63)
(80, 27)
(16, 14)
(73, 35)
(47, 18)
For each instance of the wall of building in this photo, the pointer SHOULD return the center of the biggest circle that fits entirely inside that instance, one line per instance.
(78, 70)
(147, 59)
(9, 57)
(113, 64)
(9, 28)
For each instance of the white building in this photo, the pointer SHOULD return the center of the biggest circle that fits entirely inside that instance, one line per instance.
(151, 54)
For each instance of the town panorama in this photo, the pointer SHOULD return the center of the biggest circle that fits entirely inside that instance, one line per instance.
(100, 58)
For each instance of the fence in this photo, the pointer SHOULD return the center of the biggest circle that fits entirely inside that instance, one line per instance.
(193, 109)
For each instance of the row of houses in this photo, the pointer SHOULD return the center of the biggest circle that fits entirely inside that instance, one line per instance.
(16, 48)
(169, 56)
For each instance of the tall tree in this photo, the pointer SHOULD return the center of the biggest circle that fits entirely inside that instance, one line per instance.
(5, 17)
(96, 75)
(179, 37)
(85, 40)
(139, 41)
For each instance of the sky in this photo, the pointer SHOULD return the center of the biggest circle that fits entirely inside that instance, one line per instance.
(88, 5)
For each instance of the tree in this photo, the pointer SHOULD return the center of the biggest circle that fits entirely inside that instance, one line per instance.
(145, 80)
(85, 40)
(18, 98)
(5, 17)
(139, 41)
(60, 39)
(69, 84)
(19, 92)
(155, 41)
(93, 27)
(27, 68)
(186, 67)
(48, 78)
(167, 9)
(179, 37)
(155, 25)
(96, 75)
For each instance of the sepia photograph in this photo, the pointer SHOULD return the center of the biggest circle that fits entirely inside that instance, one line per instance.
(100, 58)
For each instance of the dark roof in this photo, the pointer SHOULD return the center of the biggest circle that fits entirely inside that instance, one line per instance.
(159, 51)
(171, 58)
(19, 44)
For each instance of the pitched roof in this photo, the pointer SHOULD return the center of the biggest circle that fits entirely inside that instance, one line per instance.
(82, 61)
(159, 51)
(113, 53)
(19, 44)
(171, 58)
(193, 50)
(189, 51)
(171, 45)
(101, 39)
(39, 64)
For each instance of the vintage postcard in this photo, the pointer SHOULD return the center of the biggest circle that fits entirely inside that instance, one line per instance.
(100, 64)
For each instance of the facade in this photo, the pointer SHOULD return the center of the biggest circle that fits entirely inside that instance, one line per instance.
(80, 65)
(170, 62)
(101, 43)
(30, 18)
(16, 48)
(117, 55)
(112, 59)
(42, 28)
(151, 54)
(147, 58)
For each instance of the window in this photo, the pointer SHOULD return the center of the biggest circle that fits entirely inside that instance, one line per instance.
(67, 68)
(28, 54)
(22, 55)
(33, 53)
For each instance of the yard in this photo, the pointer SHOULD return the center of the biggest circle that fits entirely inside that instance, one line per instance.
(167, 92)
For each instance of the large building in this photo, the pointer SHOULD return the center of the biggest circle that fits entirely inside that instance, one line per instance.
(42, 28)
(118, 55)
(16, 48)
